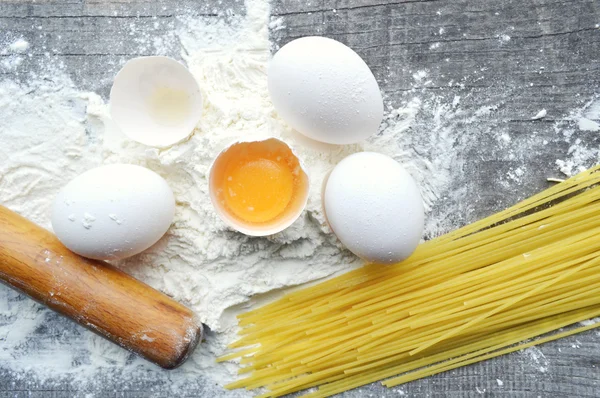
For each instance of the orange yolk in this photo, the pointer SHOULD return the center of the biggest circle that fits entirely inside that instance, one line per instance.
(258, 190)
(259, 182)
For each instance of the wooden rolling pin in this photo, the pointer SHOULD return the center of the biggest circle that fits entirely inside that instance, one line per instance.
(95, 294)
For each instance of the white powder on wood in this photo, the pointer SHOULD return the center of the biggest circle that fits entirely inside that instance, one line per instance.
(19, 46)
(51, 132)
(540, 115)
(585, 120)
(537, 358)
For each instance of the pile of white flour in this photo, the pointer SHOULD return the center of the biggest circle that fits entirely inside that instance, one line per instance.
(50, 132)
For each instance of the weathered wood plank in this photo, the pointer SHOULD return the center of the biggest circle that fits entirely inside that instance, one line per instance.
(514, 56)
(67, 33)
(76, 9)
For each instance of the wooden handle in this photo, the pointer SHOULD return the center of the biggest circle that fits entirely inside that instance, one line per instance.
(95, 294)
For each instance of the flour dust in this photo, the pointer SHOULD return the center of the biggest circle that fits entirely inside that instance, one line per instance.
(50, 131)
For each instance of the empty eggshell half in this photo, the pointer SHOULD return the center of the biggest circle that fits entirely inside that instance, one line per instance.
(258, 188)
(155, 101)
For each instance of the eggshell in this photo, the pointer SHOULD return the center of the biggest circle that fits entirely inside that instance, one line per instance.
(252, 229)
(374, 207)
(113, 211)
(324, 90)
(155, 101)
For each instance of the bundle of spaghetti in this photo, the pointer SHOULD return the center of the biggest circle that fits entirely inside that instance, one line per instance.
(481, 291)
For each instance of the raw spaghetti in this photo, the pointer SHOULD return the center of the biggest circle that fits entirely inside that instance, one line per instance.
(464, 297)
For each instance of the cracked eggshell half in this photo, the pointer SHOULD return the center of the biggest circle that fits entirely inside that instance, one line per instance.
(374, 207)
(324, 90)
(155, 101)
(113, 211)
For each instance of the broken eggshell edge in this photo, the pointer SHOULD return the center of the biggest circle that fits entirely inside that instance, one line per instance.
(129, 107)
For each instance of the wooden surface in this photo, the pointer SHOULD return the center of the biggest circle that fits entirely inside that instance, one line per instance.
(514, 56)
(95, 294)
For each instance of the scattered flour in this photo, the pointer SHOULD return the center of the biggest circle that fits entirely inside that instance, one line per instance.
(583, 121)
(586, 124)
(516, 174)
(537, 358)
(540, 115)
(51, 132)
(200, 262)
(12, 54)
(19, 46)
(485, 110)
(588, 118)
(504, 138)
(456, 101)
(589, 322)
(420, 75)
(504, 38)
(276, 24)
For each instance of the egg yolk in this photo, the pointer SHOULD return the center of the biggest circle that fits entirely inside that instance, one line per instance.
(259, 182)
(258, 190)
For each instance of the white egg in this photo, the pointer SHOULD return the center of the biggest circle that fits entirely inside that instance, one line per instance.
(324, 90)
(113, 211)
(155, 101)
(374, 207)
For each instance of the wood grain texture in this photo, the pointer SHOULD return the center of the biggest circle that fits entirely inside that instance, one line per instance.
(551, 61)
(66, 33)
(516, 57)
(95, 294)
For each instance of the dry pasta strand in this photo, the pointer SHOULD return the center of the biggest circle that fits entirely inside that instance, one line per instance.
(464, 297)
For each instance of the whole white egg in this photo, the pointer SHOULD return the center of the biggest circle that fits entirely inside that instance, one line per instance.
(374, 207)
(324, 90)
(113, 211)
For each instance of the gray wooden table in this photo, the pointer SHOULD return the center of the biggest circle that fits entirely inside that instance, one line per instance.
(515, 56)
